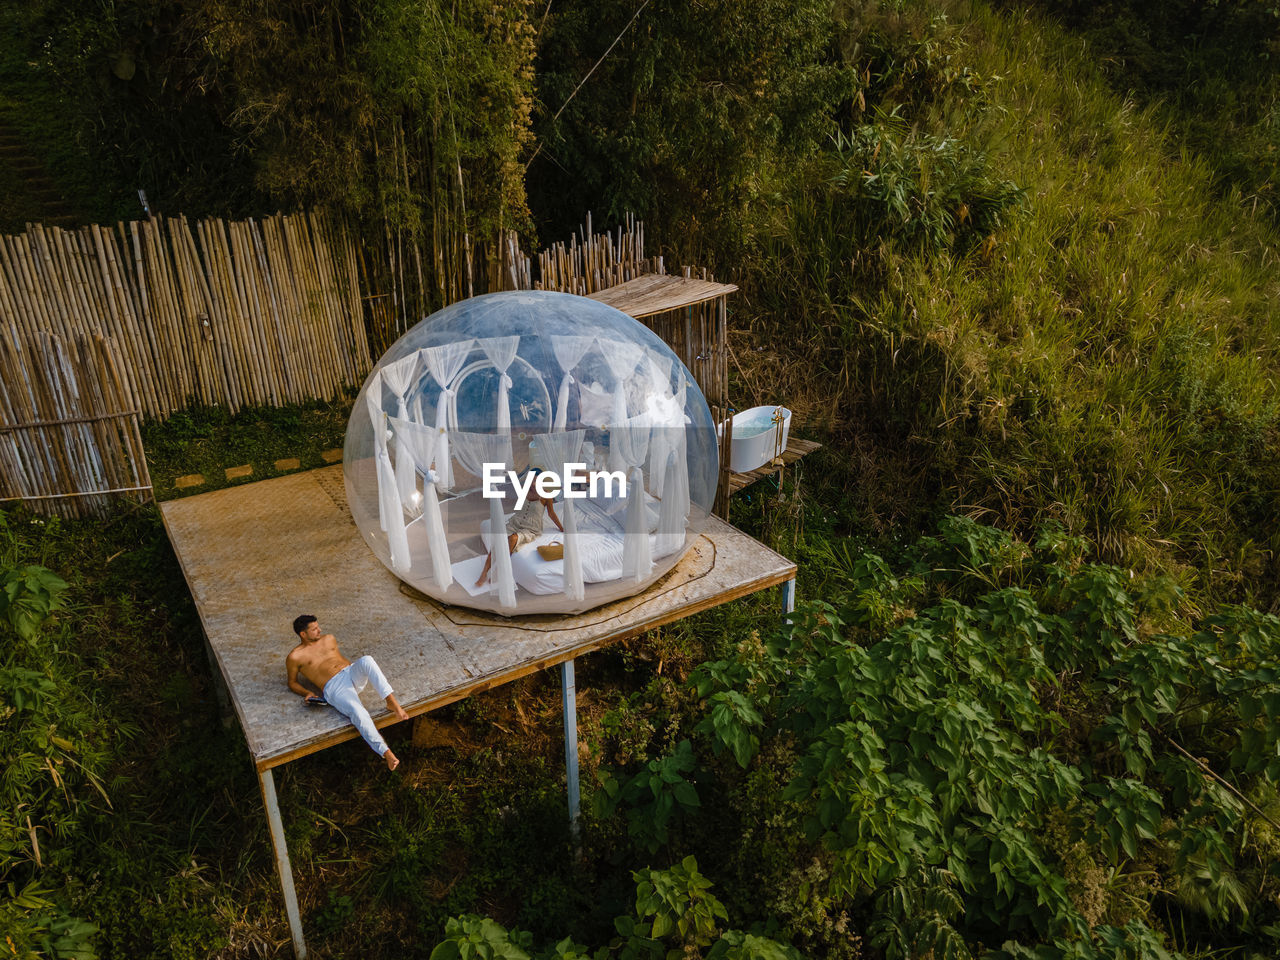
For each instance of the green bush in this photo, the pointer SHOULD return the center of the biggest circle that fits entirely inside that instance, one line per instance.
(676, 916)
(924, 190)
(949, 763)
(53, 769)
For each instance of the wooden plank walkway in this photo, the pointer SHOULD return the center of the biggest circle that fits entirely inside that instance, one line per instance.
(795, 450)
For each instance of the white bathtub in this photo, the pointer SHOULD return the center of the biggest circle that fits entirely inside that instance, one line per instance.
(757, 438)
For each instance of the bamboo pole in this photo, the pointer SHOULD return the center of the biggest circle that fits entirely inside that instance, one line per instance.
(41, 312)
(191, 311)
(168, 318)
(47, 407)
(43, 272)
(364, 356)
(330, 317)
(58, 282)
(163, 356)
(336, 296)
(132, 336)
(25, 317)
(15, 402)
(146, 318)
(274, 265)
(307, 319)
(249, 370)
(8, 295)
(101, 432)
(339, 330)
(258, 324)
(123, 262)
(225, 328)
(268, 307)
(133, 435)
(218, 344)
(357, 350)
(117, 308)
(186, 333)
(317, 315)
(12, 448)
(234, 280)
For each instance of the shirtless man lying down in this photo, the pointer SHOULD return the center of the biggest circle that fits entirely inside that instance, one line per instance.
(317, 660)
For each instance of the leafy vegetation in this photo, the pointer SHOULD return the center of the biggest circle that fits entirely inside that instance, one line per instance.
(998, 281)
(995, 746)
(53, 768)
(676, 915)
(1213, 65)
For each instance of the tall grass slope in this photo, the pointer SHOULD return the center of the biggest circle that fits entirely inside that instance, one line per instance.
(1029, 303)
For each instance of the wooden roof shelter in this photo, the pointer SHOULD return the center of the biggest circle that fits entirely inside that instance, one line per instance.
(661, 293)
(256, 555)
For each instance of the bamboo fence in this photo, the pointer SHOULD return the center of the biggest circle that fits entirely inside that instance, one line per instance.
(69, 439)
(595, 261)
(403, 280)
(273, 311)
(215, 312)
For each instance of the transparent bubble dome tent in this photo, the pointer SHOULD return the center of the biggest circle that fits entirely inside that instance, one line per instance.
(530, 391)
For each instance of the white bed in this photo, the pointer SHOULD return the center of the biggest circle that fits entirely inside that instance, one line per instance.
(600, 545)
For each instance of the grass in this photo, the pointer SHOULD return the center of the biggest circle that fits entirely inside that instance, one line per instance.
(208, 440)
(1105, 355)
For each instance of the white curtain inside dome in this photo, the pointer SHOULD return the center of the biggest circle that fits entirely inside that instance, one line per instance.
(621, 358)
(420, 442)
(630, 440)
(444, 363)
(373, 401)
(472, 450)
(397, 376)
(660, 366)
(501, 351)
(568, 351)
(492, 448)
(680, 443)
(595, 405)
(671, 523)
(661, 408)
(558, 450)
(390, 508)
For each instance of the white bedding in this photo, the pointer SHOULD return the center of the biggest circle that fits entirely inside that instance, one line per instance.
(600, 543)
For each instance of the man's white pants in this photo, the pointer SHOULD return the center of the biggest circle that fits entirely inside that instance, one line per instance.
(343, 693)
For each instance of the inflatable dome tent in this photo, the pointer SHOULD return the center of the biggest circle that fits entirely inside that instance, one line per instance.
(493, 400)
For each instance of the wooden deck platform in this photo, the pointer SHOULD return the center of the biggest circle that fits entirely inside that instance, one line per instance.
(795, 450)
(257, 555)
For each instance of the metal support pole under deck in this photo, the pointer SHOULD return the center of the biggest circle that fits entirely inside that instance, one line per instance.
(268, 784)
(789, 599)
(570, 740)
